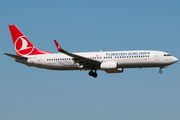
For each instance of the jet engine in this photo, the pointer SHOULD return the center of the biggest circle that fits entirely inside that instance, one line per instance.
(108, 65)
(111, 67)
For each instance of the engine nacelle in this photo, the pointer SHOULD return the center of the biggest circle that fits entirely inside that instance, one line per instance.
(119, 70)
(108, 65)
(111, 67)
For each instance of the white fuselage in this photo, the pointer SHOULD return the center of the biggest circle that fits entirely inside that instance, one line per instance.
(124, 59)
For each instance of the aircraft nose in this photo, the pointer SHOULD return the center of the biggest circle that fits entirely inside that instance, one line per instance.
(174, 59)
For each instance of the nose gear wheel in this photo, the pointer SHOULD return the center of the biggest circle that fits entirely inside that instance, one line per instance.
(160, 71)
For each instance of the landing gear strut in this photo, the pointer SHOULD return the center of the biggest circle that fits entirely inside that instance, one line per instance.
(162, 67)
(94, 74)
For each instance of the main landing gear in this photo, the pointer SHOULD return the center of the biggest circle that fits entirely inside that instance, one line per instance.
(94, 74)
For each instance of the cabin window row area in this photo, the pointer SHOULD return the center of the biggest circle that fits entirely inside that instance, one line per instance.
(57, 59)
(94, 57)
(107, 57)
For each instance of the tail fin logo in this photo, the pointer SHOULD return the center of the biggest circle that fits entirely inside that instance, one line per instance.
(23, 46)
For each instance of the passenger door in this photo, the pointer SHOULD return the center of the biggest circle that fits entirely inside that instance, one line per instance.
(156, 57)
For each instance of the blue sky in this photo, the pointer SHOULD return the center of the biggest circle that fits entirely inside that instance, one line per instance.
(28, 93)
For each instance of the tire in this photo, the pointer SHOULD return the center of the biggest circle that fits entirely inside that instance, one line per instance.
(90, 73)
(95, 75)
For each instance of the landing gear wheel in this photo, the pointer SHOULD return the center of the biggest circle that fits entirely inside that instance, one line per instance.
(95, 75)
(91, 73)
(160, 71)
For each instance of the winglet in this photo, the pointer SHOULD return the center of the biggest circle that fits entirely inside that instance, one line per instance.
(58, 46)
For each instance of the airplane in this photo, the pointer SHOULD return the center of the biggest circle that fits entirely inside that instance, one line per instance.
(110, 62)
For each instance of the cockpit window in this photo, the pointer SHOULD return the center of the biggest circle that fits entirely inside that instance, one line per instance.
(167, 55)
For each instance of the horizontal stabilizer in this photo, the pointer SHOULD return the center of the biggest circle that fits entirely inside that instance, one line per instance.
(15, 56)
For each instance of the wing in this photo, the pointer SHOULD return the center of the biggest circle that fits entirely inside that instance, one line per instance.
(15, 56)
(87, 62)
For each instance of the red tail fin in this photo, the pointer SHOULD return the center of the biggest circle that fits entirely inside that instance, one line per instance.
(22, 45)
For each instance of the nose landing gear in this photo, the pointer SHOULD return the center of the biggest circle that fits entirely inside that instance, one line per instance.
(94, 74)
(160, 71)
